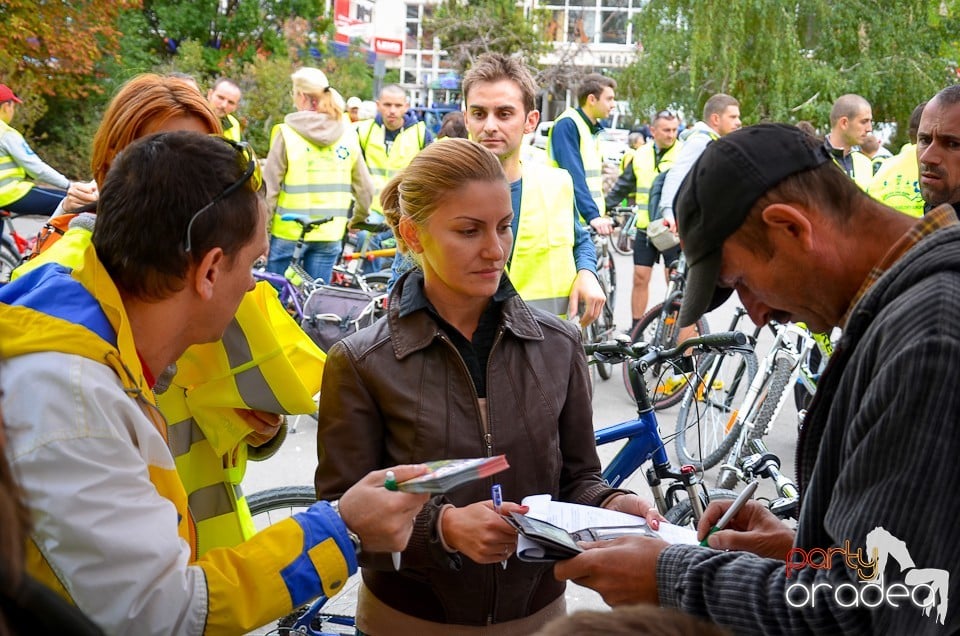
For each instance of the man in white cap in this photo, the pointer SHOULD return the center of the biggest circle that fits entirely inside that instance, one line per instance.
(353, 108)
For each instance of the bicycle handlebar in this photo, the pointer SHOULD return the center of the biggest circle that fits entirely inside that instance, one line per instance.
(589, 228)
(642, 351)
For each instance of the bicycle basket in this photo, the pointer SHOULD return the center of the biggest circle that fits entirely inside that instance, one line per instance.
(333, 313)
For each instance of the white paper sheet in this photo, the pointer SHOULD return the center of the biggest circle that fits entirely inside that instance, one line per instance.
(573, 517)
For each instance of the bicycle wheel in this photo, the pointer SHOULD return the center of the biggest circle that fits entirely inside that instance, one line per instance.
(593, 333)
(681, 514)
(622, 239)
(9, 259)
(612, 287)
(707, 425)
(377, 281)
(767, 406)
(276, 504)
(665, 389)
(802, 395)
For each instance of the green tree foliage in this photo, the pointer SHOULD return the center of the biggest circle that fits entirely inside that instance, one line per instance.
(235, 31)
(468, 29)
(54, 48)
(787, 61)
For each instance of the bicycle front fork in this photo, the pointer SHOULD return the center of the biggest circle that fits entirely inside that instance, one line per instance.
(689, 481)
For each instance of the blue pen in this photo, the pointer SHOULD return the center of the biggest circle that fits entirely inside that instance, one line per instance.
(497, 495)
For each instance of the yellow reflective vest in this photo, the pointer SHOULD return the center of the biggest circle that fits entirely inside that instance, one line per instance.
(13, 183)
(383, 166)
(318, 183)
(646, 169)
(589, 153)
(542, 268)
(232, 132)
(897, 183)
(264, 362)
(281, 567)
(862, 173)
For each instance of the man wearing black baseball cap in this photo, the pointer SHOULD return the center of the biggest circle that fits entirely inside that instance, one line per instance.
(766, 213)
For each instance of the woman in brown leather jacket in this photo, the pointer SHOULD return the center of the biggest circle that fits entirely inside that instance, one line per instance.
(461, 367)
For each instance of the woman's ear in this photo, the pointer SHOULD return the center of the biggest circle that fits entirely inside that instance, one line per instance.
(410, 234)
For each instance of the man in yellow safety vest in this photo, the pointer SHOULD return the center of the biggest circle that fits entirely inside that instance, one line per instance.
(224, 97)
(851, 120)
(573, 145)
(553, 263)
(19, 194)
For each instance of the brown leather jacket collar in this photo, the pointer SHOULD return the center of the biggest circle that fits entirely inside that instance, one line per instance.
(419, 329)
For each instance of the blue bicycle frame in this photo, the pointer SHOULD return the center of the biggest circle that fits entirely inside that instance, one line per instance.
(643, 443)
(642, 433)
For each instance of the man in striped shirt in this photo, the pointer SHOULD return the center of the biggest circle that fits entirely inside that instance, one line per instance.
(766, 212)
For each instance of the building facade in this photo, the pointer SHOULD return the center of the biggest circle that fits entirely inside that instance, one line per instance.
(588, 33)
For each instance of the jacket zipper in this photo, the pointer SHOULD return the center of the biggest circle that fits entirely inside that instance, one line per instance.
(487, 434)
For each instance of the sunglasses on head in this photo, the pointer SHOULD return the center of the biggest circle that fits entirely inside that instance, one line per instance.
(665, 114)
(252, 173)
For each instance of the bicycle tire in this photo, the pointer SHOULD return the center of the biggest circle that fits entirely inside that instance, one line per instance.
(774, 398)
(802, 397)
(681, 514)
(9, 259)
(645, 330)
(771, 398)
(593, 333)
(622, 243)
(284, 500)
(377, 281)
(612, 289)
(705, 433)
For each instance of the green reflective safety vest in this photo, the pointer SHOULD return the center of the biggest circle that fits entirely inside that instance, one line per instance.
(384, 166)
(233, 131)
(897, 183)
(862, 173)
(646, 169)
(589, 153)
(318, 183)
(542, 268)
(13, 183)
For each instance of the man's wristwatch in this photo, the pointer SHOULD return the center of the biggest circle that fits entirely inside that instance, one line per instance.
(355, 540)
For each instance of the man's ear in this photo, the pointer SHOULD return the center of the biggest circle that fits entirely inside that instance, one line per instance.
(533, 118)
(785, 221)
(208, 271)
(410, 234)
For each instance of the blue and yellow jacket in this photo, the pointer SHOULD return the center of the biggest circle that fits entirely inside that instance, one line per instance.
(113, 529)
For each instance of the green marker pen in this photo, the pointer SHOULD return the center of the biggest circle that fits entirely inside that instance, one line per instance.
(390, 483)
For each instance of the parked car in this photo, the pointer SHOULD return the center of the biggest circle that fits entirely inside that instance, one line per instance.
(613, 143)
(540, 135)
